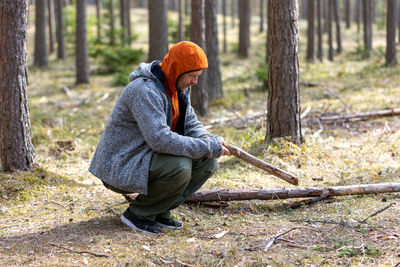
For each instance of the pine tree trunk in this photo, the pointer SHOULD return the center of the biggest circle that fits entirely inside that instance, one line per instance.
(158, 30)
(60, 30)
(52, 29)
(337, 23)
(40, 54)
(310, 31)
(81, 53)
(225, 46)
(283, 117)
(357, 14)
(392, 6)
(319, 31)
(347, 11)
(16, 149)
(261, 16)
(128, 23)
(234, 4)
(199, 93)
(112, 21)
(330, 37)
(181, 21)
(244, 28)
(214, 81)
(366, 7)
(99, 6)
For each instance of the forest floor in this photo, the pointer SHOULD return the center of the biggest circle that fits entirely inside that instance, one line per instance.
(59, 214)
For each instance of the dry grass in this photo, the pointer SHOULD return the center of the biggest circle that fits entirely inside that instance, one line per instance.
(61, 215)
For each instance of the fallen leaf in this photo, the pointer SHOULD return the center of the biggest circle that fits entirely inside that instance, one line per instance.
(219, 235)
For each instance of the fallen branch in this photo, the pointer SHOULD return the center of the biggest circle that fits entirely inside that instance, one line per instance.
(77, 251)
(239, 153)
(272, 239)
(324, 195)
(365, 115)
(285, 193)
(377, 212)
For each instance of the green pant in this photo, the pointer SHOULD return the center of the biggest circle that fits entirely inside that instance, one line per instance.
(171, 180)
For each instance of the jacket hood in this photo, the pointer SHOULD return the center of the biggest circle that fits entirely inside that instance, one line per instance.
(144, 70)
(182, 57)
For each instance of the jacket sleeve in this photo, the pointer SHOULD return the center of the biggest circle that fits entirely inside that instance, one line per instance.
(148, 105)
(193, 127)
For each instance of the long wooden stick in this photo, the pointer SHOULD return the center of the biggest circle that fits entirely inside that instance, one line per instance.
(239, 153)
(285, 193)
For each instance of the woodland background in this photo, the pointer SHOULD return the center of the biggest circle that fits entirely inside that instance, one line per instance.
(335, 58)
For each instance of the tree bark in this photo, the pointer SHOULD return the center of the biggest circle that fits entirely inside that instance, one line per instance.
(52, 29)
(337, 23)
(225, 46)
(99, 7)
(81, 53)
(214, 81)
(244, 28)
(319, 31)
(60, 30)
(330, 37)
(112, 21)
(40, 53)
(199, 92)
(310, 31)
(241, 154)
(347, 12)
(220, 194)
(158, 30)
(16, 149)
(181, 21)
(357, 14)
(283, 118)
(391, 18)
(261, 16)
(366, 7)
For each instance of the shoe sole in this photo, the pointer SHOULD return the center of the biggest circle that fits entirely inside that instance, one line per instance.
(168, 226)
(131, 225)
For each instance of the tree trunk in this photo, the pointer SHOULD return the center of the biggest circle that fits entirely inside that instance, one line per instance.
(283, 118)
(199, 92)
(40, 54)
(337, 23)
(214, 81)
(158, 30)
(319, 31)
(82, 60)
(99, 6)
(220, 194)
(16, 149)
(112, 22)
(261, 16)
(357, 14)
(330, 37)
(244, 28)
(181, 23)
(310, 31)
(347, 12)
(234, 4)
(60, 30)
(225, 46)
(391, 18)
(52, 26)
(366, 7)
(128, 22)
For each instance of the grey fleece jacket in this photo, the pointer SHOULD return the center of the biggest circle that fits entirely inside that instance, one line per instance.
(140, 124)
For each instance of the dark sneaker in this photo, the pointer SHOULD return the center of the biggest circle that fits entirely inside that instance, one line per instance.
(168, 223)
(137, 224)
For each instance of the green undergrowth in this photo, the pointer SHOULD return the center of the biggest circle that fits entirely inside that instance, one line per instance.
(24, 186)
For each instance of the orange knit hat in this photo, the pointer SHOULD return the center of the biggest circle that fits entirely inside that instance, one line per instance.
(182, 57)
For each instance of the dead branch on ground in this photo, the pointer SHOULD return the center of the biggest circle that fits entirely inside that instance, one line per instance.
(220, 194)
